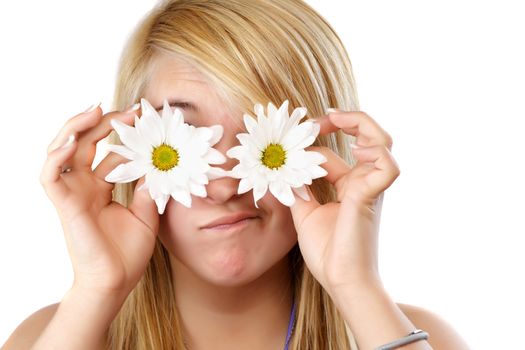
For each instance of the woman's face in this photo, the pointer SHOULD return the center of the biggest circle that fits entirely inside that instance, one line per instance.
(223, 257)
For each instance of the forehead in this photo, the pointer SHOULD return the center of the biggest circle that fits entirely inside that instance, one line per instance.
(176, 79)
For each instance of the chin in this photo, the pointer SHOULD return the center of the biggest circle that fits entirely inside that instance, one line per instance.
(230, 268)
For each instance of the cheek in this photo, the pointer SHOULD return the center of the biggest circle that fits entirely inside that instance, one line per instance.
(174, 232)
(283, 229)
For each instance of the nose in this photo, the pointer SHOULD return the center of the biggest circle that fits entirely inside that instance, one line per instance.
(223, 189)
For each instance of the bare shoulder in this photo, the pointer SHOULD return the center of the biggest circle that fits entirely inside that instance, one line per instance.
(441, 335)
(30, 329)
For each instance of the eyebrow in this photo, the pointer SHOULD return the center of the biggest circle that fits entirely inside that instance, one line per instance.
(179, 103)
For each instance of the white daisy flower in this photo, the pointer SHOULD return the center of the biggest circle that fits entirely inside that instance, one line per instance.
(174, 155)
(272, 154)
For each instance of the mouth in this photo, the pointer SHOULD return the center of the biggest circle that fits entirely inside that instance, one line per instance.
(234, 226)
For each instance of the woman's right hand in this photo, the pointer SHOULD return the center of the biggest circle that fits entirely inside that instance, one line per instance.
(109, 245)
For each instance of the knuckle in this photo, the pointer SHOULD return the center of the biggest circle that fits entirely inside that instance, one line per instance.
(68, 126)
(363, 113)
(388, 140)
(42, 179)
(52, 147)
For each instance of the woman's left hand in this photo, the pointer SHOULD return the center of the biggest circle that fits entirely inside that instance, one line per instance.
(338, 240)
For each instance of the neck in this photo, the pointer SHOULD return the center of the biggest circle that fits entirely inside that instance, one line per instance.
(252, 316)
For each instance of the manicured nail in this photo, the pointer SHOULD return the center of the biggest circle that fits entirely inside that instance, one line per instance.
(332, 110)
(135, 107)
(92, 107)
(70, 140)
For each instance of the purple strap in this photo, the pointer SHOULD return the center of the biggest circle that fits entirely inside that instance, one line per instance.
(290, 326)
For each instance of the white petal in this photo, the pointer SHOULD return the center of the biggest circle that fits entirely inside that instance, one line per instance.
(272, 110)
(161, 203)
(253, 156)
(250, 123)
(245, 185)
(301, 192)
(178, 176)
(198, 190)
(316, 127)
(172, 120)
(296, 116)
(182, 196)
(305, 142)
(297, 135)
(122, 150)
(214, 157)
(245, 139)
(297, 159)
(259, 110)
(127, 172)
(263, 122)
(196, 146)
(270, 174)
(282, 192)
(291, 176)
(307, 177)
(279, 121)
(218, 131)
(316, 171)
(315, 157)
(236, 152)
(238, 172)
(178, 134)
(259, 138)
(159, 180)
(194, 165)
(151, 125)
(216, 173)
(129, 137)
(258, 192)
(166, 114)
(203, 133)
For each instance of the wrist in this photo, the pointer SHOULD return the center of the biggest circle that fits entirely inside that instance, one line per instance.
(355, 291)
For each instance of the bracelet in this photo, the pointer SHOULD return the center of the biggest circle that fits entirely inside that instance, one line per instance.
(414, 336)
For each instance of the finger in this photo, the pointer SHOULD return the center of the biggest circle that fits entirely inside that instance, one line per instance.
(51, 173)
(302, 208)
(110, 162)
(367, 131)
(87, 142)
(144, 207)
(75, 125)
(336, 166)
(385, 168)
(326, 126)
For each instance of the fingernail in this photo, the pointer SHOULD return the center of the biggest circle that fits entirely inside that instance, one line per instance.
(92, 107)
(332, 110)
(135, 107)
(70, 140)
(353, 145)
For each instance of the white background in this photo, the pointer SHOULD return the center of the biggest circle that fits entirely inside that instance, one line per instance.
(446, 79)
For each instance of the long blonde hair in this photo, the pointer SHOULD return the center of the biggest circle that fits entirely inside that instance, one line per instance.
(253, 51)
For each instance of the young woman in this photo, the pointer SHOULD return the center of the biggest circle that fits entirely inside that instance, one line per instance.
(298, 277)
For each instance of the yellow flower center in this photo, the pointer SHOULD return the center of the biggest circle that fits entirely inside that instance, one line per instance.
(165, 157)
(273, 156)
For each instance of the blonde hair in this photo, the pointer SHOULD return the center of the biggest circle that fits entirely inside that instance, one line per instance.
(253, 51)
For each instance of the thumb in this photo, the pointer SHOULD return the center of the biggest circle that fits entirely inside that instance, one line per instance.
(144, 207)
(302, 207)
